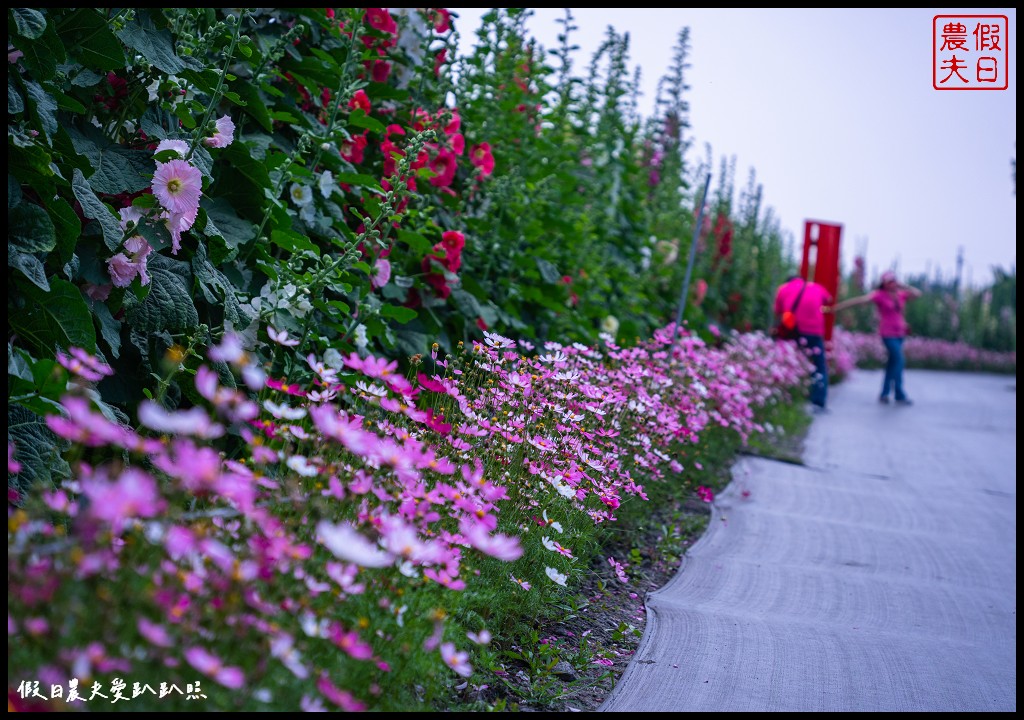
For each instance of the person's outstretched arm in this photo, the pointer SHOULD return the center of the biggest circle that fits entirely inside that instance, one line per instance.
(851, 302)
(911, 291)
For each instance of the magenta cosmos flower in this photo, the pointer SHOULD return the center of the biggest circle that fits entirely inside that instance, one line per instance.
(178, 186)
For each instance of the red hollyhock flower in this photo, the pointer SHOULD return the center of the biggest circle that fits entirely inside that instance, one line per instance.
(380, 71)
(353, 149)
(444, 165)
(452, 241)
(441, 18)
(360, 100)
(482, 158)
(380, 19)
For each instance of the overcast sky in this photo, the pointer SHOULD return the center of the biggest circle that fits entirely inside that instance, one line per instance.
(835, 111)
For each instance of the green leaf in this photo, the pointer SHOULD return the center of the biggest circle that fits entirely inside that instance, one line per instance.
(359, 118)
(157, 46)
(46, 107)
(215, 287)
(19, 363)
(255, 105)
(116, 169)
(548, 271)
(37, 448)
(225, 230)
(28, 22)
(86, 78)
(15, 103)
(93, 208)
(168, 306)
(30, 229)
(29, 265)
(110, 328)
(397, 313)
(87, 35)
(293, 242)
(358, 180)
(42, 54)
(13, 191)
(66, 225)
(59, 317)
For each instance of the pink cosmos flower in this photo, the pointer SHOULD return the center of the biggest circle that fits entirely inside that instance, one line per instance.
(178, 186)
(457, 660)
(209, 664)
(706, 494)
(224, 135)
(342, 698)
(193, 421)
(84, 365)
(133, 494)
(155, 633)
(13, 466)
(347, 543)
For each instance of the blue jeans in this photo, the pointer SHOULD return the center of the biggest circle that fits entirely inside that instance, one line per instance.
(814, 347)
(894, 368)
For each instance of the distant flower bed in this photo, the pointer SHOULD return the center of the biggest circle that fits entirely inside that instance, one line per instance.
(920, 352)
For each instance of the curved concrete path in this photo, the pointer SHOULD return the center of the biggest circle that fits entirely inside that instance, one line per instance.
(880, 576)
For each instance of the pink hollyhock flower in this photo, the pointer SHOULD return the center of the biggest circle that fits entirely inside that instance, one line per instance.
(457, 660)
(482, 158)
(224, 134)
(209, 664)
(178, 146)
(178, 186)
(121, 270)
(381, 273)
(97, 292)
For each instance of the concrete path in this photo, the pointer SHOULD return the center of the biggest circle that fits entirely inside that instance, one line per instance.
(880, 576)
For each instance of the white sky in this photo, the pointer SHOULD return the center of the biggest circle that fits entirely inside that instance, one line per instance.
(835, 112)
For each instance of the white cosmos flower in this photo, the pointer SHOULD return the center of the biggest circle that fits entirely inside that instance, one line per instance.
(302, 466)
(347, 543)
(556, 577)
(283, 411)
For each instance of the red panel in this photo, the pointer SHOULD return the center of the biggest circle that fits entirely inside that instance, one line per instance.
(820, 261)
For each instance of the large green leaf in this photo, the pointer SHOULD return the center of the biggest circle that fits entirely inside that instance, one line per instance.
(88, 37)
(28, 22)
(226, 231)
(116, 169)
(36, 448)
(168, 306)
(93, 208)
(29, 265)
(46, 107)
(15, 103)
(110, 328)
(30, 229)
(218, 290)
(42, 54)
(59, 317)
(67, 226)
(157, 46)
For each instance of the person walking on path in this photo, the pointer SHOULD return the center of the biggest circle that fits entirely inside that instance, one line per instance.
(808, 301)
(890, 299)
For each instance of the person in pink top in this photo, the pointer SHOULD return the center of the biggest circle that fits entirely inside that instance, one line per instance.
(890, 299)
(808, 302)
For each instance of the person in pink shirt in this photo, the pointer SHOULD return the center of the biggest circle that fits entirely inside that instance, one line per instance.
(808, 301)
(890, 299)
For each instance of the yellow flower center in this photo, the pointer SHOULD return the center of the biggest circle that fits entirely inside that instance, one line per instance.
(174, 185)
